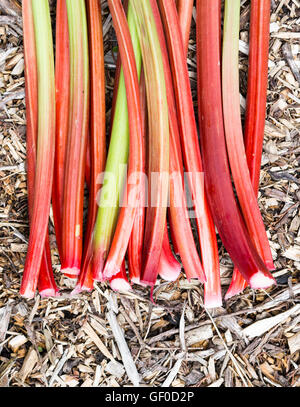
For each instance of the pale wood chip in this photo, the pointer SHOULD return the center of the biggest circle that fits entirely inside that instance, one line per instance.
(97, 341)
(5, 314)
(258, 328)
(16, 342)
(294, 343)
(128, 362)
(198, 335)
(29, 364)
(172, 374)
(217, 383)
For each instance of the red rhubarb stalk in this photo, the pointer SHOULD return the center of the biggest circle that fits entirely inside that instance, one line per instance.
(117, 79)
(46, 283)
(135, 165)
(257, 86)
(135, 246)
(72, 227)
(226, 213)
(88, 163)
(234, 133)
(158, 151)
(119, 282)
(45, 144)
(62, 84)
(256, 106)
(185, 14)
(169, 268)
(97, 140)
(116, 167)
(182, 235)
(191, 153)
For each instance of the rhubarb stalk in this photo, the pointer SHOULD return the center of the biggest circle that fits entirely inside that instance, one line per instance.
(119, 282)
(256, 106)
(72, 227)
(226, 213)
(257, 86)
(191, 153)
(135, 166)
(234, 133)
(46, 283)
(158, 151)
(169, 268)
(97, 140)
(45, 145)
(136, 242)
(115, 169)
(62, 85)
(182, 235)
(185, 14)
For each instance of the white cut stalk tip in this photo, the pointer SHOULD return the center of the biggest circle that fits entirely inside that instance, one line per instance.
(260, 281)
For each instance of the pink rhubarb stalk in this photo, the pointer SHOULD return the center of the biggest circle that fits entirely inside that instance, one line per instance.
(226, 213)
(191, 153)
(45, 143)
(185, 14)
(133, 191)
(72, 227)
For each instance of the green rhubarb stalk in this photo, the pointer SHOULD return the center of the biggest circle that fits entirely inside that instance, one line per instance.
(158, 150)
(115, 170)
(45, 147)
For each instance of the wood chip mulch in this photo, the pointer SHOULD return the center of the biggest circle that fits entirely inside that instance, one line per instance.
(109, 339)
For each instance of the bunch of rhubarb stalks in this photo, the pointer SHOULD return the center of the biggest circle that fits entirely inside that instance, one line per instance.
(161, 179)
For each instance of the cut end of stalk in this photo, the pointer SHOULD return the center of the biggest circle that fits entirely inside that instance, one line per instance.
(120, 284)
(110, 270)
(170, 272)
(261, 280)
(214, 301)
(71, 272)
(28, 292)
(238, 285)
(50, 292)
